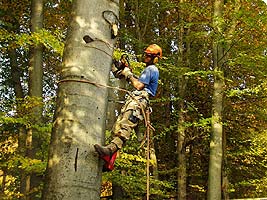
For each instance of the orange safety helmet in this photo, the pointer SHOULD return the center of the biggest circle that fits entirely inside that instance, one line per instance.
(154, 50)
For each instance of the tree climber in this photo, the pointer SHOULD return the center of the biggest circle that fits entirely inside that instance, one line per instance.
(131, 112)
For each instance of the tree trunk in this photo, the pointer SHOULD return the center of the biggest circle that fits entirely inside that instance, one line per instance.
(36, 56)
(35, 90)
(3, 181)
(225, 181)
(15, 74)
(16, 83)
(154, 161)
(215, 163)
(122, 42)
(74, 169)
(181, 143)
(181, 191)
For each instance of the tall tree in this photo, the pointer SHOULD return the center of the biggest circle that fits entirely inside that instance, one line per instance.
(215, 163)
(181, 142)
(35, 90)
(36, 57)
(74, 170)
(181, 121)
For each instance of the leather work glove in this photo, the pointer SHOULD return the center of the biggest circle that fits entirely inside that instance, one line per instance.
(124, 62)
(127, 73)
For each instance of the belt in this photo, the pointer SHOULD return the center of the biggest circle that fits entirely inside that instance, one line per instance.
(141, 93)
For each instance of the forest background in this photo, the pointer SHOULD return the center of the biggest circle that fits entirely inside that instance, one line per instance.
(182, 110)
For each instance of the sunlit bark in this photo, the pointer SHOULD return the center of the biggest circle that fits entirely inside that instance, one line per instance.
(215, 163)
(74, 169)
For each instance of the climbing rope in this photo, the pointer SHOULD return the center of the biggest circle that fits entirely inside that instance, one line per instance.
(148, 155)
(93, 83)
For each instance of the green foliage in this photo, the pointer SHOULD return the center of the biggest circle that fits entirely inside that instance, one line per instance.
(27, 165)
(14, 162)
(130, 174)
(252, 165)
(258, 91)
(25, 40)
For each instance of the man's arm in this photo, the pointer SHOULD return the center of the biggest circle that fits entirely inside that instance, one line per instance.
(136, 83)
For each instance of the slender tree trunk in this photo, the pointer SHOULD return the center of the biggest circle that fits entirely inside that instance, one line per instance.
(35, 90)
(141, 24)
(36, 56)
(122, 42)
(225, 181)
(181, 143)
(29, 153)
(15, 74)
(153, 158)
(74, 170)
(167, 106)
(19, 94)
(3, 180)
(36, 59)
(215, 163)
(181, 129)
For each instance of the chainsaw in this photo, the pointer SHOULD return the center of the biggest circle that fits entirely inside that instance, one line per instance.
(119, 65)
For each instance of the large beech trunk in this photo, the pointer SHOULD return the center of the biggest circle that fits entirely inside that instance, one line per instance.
(74, 169)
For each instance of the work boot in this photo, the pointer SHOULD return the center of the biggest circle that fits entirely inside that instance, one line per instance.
(108, 150)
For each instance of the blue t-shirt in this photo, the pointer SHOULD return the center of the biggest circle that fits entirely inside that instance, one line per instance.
(150, 77)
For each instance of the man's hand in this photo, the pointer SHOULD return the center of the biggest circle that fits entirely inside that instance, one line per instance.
(124, 61)
(127, 73)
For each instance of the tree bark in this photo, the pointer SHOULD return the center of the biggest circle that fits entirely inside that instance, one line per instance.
(15, 74)
(181, 143)
(74, 170)
(215, 163)
(36, 91)
(181, 191)
(36, 56)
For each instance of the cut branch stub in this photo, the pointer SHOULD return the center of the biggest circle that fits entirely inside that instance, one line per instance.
(113, 21)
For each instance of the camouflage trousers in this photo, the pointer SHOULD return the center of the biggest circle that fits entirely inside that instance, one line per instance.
(131, 114)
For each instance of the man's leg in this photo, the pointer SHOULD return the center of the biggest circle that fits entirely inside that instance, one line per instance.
(131, 113)
(122, 131)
